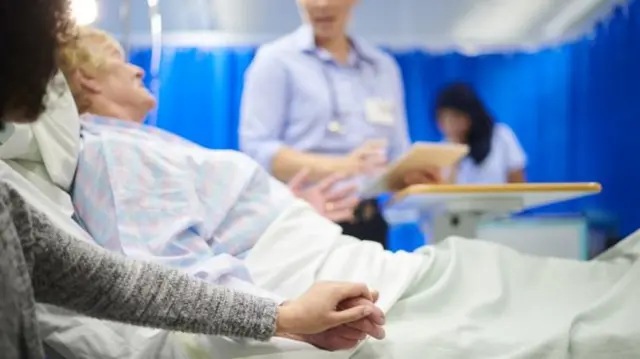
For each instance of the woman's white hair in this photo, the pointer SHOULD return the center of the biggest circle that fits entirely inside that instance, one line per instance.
(87, 56)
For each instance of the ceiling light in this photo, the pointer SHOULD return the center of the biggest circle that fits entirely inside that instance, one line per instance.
(85, 12)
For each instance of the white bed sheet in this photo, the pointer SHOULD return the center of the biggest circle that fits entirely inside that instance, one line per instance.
(470, 298)
(602, 327)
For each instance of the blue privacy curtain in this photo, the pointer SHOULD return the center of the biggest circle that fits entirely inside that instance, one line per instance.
(575, 108)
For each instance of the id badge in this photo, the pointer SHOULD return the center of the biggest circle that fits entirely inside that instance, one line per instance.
(380, 112)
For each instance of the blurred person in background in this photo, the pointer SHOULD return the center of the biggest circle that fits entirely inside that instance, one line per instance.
(495, 154)
(331, 104)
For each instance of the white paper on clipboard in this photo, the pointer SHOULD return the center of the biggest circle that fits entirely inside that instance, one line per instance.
(421, 155)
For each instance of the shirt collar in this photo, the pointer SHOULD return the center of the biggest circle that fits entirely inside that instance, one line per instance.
(305, 42)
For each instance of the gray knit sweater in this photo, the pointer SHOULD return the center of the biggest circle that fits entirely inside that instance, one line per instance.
(39, 261)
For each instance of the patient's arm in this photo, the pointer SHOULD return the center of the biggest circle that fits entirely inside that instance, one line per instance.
(79, 276)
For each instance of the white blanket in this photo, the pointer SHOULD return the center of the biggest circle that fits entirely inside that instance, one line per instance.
(467, 298)
(302, 247)
(462, 298)
(46, 152)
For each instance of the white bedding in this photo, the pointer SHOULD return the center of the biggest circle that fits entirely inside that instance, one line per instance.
(46, 152)
(469, 298)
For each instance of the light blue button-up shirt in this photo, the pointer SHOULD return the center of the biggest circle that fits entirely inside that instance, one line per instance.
(293, 90)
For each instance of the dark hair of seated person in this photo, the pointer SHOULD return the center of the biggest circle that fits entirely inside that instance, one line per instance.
(462, 97)
(31, 32)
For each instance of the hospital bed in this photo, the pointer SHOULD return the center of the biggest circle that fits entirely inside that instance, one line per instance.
(458, 210)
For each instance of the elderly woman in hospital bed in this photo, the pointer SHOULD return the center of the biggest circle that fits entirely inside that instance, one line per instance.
(46, 257)
(151, 195)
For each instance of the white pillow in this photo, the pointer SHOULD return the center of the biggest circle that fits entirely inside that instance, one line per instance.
(46, 152)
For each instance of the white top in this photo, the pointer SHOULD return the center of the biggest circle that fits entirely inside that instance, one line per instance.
(506, 155)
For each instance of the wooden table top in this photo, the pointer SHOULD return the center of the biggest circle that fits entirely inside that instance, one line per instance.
(498, 189)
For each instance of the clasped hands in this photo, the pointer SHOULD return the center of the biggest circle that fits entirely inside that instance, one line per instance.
(332, 316)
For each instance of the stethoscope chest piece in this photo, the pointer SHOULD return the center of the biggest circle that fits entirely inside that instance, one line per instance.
(335, 127)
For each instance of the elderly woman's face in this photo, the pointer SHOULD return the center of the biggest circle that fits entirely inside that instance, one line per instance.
(121, 82)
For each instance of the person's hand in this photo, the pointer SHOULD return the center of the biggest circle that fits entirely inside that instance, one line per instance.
(347, 336)
(371, 325)
(337, 205)
(338, 338)
(430, 175)
(318, 310)
(369, 158)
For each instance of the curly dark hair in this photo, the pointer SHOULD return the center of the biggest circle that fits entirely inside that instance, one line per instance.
(463, 98)
(31, 32)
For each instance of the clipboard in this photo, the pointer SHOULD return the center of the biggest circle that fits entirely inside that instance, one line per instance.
(421, 155)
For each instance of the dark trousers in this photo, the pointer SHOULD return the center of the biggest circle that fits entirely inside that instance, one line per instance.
(368, 224)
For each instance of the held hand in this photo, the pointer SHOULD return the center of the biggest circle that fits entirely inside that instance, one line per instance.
(369, 158)
(317, 310)
(371, 325)
(336, 205)
(347, 336)
(338, 338)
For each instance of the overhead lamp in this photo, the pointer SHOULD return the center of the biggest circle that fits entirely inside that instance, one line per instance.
(85, 12)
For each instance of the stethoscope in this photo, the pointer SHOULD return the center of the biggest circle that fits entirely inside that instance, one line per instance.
(335, 125)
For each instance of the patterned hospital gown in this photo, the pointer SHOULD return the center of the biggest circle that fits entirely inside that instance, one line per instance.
(152, 195)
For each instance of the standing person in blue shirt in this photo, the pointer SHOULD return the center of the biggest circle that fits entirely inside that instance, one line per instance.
(326, 102)
(495, 155)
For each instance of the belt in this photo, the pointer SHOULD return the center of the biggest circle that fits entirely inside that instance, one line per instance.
(365, 211)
